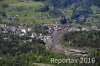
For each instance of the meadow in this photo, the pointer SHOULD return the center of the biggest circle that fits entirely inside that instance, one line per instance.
(27, 4)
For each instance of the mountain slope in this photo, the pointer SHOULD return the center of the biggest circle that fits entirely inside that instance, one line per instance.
(80, 9)
(66, 3)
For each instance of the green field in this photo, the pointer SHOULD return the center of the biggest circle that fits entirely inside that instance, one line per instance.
(30, 16)
(8, 2)
(27, 12)
(28, 4)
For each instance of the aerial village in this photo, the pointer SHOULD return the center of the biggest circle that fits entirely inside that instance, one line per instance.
(51, 38)
(54, 30)
(24, 29)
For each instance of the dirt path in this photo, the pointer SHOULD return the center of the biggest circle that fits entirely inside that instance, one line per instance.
(54, 45)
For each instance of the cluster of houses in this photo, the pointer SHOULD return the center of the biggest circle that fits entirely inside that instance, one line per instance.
(19, 30)
(54, 26)
(13, 17)
(50, 28)
(24, 30)
(84, 28)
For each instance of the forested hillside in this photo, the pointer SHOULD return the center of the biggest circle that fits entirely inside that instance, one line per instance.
(78, 3)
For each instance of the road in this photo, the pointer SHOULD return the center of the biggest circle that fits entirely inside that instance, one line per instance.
(54, 44)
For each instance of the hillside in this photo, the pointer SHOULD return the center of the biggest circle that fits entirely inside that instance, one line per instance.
(33, 32)
(84, 11)
(66, 3)
(79, 9)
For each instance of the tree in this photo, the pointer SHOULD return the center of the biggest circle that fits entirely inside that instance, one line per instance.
(1, 0)
(0, 20)
(63, 21)
(5, 5)
(3, 14)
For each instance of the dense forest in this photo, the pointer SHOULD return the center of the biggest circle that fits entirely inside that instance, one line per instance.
(66, 3)
(21, 51)
(83, 38)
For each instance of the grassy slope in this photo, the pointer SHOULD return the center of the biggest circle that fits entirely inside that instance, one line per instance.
(29, 15)
(28, 4)
(8, 2)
